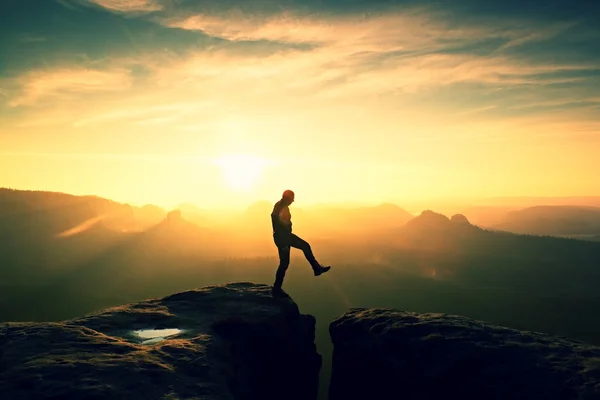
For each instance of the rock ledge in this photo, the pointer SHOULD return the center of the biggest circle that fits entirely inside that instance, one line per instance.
(386, 353)
(236, 342)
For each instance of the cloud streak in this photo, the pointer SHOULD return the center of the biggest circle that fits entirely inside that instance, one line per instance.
(144, 114)
(128, 6)
(405, 52)
(66, 83)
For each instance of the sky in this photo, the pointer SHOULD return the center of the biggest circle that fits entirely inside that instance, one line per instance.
(222, 103)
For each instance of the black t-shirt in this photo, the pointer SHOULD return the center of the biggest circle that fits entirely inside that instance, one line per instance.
(281, 218)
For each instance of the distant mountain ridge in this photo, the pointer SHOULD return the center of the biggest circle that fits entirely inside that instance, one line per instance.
(531, 201)
(553, 220)
(17, 205)
(60, 212)
(430, 262)
(432, 220)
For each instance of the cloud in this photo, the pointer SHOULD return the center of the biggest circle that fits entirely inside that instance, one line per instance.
(137, 157)
(33, 39)
(353, 68)
(145, 113)
(393, 31)
(129, 5)
(68, 83)
(397, 50)
(422, 28)
(540, 34)
(293, 56)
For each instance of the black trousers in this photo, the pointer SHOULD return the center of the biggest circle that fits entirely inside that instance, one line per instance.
(284, 242)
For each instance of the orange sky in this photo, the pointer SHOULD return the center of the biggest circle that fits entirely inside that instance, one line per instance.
(336, 105)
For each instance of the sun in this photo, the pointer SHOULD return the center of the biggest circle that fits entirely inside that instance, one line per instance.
(241, 171)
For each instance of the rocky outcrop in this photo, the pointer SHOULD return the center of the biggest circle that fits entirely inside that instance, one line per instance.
(391, 354)
(174, 215)
(234, 342)
(429, 220)
(460, 219)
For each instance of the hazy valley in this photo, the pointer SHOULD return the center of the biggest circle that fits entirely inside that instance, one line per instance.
(63, 256)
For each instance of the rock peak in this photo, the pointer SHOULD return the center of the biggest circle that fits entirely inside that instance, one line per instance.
(460, 219)
(231, 341)
(428, 220)
(430, 356)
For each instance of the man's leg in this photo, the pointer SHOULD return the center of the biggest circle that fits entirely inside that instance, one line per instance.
(303, 245)
(284, 262)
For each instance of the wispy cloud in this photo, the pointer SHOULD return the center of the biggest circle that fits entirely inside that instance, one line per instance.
(68, 83)
(144, 113)
(137, 157)
(28, 38)
(540, 33)
(346, 56)
(350, 69)
(129, 5)
(417, 28)
(288, 27)
(399, 50)
(413, 29)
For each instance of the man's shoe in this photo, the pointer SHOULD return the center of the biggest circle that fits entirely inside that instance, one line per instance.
(321, 270)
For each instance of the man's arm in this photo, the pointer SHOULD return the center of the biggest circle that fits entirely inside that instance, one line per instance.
(285, 218)
(281, 220)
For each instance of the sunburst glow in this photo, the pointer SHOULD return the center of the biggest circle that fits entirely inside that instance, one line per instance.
(241, 171)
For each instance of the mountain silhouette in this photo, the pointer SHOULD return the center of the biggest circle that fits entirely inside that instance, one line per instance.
(50, 213)
(455, 249)
(553, 220)
(486, 216)
(428, 257)
(429, 221)
(435, 230)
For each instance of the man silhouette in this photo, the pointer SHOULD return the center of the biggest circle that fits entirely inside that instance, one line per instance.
(281, 219)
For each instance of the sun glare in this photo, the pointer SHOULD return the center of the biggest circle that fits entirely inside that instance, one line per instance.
(240, 171)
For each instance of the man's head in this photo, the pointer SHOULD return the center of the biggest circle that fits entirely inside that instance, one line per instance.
(288, 197)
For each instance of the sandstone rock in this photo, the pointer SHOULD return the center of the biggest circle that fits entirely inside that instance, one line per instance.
(429, 220)
(460, 219)
(392, 354)
(236, 342)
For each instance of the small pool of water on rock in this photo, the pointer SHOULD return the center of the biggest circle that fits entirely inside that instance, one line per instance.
(152, 336)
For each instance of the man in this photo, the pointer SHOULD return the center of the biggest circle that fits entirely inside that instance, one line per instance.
(284, 239)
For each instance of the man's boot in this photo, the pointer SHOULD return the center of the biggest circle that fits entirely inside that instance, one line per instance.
(321, 269)
(277, 291)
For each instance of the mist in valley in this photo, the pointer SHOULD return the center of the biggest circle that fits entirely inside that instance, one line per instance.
(63, 256)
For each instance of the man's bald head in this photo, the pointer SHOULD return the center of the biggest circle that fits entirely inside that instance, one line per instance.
(288, 196)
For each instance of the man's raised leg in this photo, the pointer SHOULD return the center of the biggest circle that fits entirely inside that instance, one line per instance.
(303, 245)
